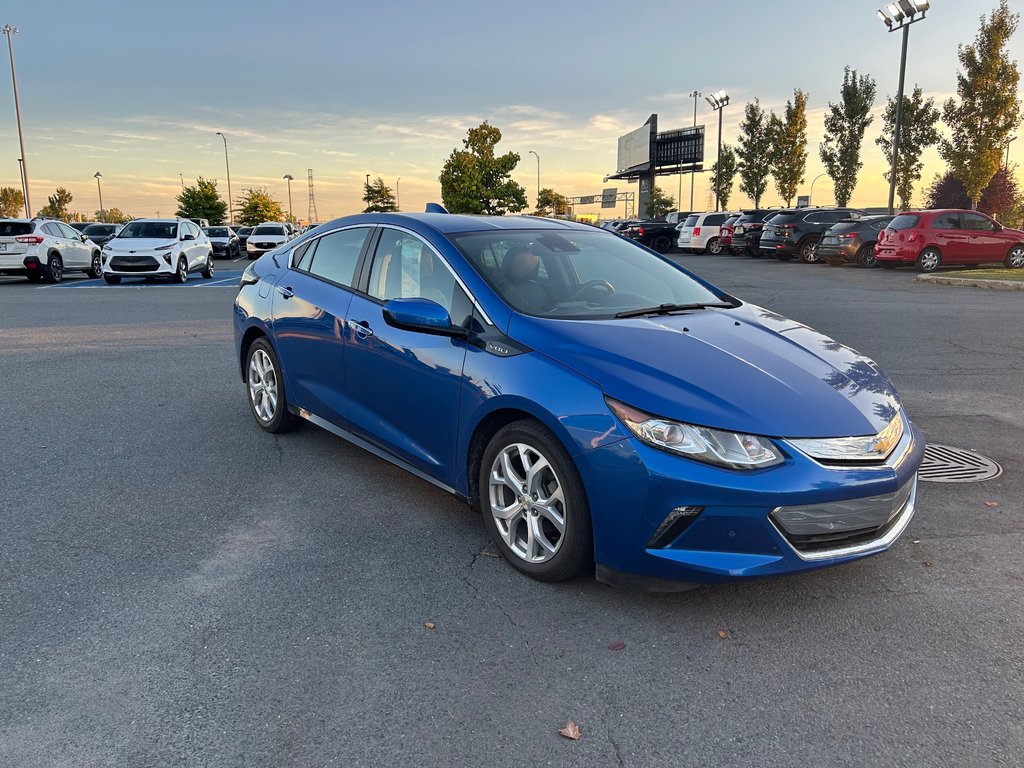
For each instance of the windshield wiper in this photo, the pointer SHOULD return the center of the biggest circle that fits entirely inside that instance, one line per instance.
(668, 309)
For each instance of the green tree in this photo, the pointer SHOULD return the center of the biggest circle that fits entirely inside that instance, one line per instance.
(202, 201)
(114, 216)
(257, 206)
(57, 204)
(378, 197)
(754, 153)
(917, 133)
(11, 202)
(989, 105)
(727, 175)
(474, 180)
(789, 146)
(550, 203)
(659, 204)
(845, 125)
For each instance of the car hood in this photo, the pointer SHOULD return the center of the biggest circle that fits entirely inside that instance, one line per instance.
(124, 245)
(745, 370)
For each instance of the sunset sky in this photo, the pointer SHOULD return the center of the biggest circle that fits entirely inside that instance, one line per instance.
(138, 91)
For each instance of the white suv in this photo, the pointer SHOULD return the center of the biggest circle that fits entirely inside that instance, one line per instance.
(266, 237)
(699, 233)
(44, 249)
(168, 248)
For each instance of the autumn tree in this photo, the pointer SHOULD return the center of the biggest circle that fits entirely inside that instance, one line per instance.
(723, 181)
(202, 201)
(11, 202)
(257, 206)
(988, 109)
(550, 203)
(789, 146)
(917, 132)
(659, 204)
(114, 216)
(753, 152)
(57, 204)
(845, 125)
(475, 180)
(1000, 198)
(378, 197)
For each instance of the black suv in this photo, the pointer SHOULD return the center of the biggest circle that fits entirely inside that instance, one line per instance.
(796, 231)
(747, 229)
(852, 241)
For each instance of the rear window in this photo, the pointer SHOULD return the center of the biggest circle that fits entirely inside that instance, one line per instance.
(845, 226)
(15, 228)
(784, 217)
(269, 230)
(904, 221)
(691, 221)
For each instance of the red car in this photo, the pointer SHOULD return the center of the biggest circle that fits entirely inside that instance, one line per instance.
(929, 239)
(725, 236)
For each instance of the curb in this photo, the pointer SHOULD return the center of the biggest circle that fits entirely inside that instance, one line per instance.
(972, 282)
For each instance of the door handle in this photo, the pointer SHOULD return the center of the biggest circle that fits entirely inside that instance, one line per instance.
(286, 292)
(362, 328)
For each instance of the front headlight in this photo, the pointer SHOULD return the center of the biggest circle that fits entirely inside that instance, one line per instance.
(712, 446)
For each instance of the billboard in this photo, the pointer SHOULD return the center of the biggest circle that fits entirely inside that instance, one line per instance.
(609, 197)
(635, 148)
(681, 147)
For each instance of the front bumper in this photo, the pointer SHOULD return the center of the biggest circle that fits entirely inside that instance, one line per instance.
(137, 265)
(740, 530)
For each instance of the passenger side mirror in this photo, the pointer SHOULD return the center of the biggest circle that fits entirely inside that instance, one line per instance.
(84, 237)
(187, 236)
(422, 316)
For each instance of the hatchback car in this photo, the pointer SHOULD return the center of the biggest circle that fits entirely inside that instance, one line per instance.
(45, 249)
(699, 232)
(930, 239)
(266, 237)
(796, 231)
(224, 241)
(594, 400)
(852, 241)
(152, 248)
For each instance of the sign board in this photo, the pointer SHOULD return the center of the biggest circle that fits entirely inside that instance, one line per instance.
(684, 146)
(635, 148)
(588, 199)
(802, 201)
(608, 197)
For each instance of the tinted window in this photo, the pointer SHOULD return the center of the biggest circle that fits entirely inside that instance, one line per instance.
(943, 221)
(714, 220)
(102, 230)
(217, 232)
(51, 229)
(15, 228)
(269, 229)
(405, 267)
(304, 255)
(244, 230)
(691, 221)
(68, 232)
(978, 222)
(845, 226)
(904, 221)
(336, 255)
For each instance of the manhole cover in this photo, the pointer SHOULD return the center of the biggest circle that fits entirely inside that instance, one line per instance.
(943, 464)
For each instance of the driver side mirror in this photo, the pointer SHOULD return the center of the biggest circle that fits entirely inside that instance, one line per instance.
(84, 237)
(422, 316)
(187, 236)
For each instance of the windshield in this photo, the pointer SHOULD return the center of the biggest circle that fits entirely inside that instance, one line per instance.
(99, 229)
(577, 275)
(217, 232)
(155, 230)
(269, 230)
(243, 230)
(904, 221)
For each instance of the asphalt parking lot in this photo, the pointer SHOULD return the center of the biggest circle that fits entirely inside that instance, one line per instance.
(179, 588)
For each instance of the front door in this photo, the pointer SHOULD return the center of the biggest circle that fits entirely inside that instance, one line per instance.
(404, 385)
(986, 244)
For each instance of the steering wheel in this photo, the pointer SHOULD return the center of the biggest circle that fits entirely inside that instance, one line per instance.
(593, 284)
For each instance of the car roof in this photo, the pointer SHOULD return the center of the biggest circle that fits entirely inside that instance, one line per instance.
(452, 223)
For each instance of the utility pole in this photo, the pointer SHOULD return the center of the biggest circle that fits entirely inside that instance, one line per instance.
(538, 179)
(11, 32)
(227, 166)
(311, 213)
(24, 189)
(99, 188)
(289, 178)
(695, 95)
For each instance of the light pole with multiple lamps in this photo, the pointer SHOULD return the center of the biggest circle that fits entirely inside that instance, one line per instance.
(693, 174)
(718, 100)
(538, 178)
(900, 15)
(227, 167)
(99, 189)
(289, 178)
(10, 31)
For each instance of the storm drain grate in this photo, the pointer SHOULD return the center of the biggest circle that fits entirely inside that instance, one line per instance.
(943, 464)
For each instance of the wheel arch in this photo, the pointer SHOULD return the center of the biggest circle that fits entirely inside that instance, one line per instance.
(252, 333)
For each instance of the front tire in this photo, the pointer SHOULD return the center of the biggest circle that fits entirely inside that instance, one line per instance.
(96, 270)
(662, 244)
(929, 260)
(265, 386)
(181, 273)
(208, 270)
(1015, 258)
(534, 504)
(54, 271)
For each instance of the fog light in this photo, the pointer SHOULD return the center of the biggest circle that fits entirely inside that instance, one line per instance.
(672, 526)
(167, 258)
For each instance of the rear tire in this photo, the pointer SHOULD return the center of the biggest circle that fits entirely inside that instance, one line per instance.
(808, 250)
(96, 270)
(714, 246)
(112, 279)
(662, 244)
(54, 271)
(929, 260)
(1015, 258)
(866, 257)
(264, 383)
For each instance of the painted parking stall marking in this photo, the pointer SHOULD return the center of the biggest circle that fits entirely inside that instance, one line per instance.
(222, 279)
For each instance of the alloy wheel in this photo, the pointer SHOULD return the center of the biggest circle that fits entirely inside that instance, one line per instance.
(809, 253)
(929, 261)
(56, 269)
(1016, 258)
(97, 267)
(527, 503)
(262, 385)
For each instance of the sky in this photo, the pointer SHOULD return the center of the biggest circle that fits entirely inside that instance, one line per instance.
(137, 90)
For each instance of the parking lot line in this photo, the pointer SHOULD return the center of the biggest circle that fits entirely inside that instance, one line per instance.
(226, 279)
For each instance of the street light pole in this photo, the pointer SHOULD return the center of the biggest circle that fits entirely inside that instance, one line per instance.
(718, 100)
(398, 199)
(695, 95)
(1008, 143)
(289, 177)
(99, 188)
(227, 166)
(538, 179)
(11, 32)
(182, 177)
(810, 196)
(24, 189)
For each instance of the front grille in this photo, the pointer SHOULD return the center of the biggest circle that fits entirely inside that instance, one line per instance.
(134, 264)
(265, 246)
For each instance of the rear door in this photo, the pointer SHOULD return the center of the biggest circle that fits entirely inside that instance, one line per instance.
(951, 238)
(985, 242)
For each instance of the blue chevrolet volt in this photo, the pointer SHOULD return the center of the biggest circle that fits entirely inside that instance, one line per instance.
(600, 405)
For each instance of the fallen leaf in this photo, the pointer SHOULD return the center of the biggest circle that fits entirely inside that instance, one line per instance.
(724, 634)
(917, 541)
(927, 563)
(991, 503)
(571, 731)
(617, 646)
(429, 625)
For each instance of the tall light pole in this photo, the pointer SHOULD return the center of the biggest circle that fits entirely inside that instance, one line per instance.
(810, 195)
(695, 95)
(182, 177)
(900, 15)
(538, 178)
(227, 167)
(398, 200)
(99, 188)
(289, 178)
(718, 100)
(11, 32)
(24, 189)
(1009, 141)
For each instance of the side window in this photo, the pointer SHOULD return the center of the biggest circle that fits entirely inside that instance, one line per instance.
(405, 267)
(715, 220)
(304, 255)
(337, 254)
(52, 230)
(69, 232)
(947, 221)
(814, 218)
(978, 222)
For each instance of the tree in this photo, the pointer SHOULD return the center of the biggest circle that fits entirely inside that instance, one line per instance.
(1000, 198)
(845, 124)
(378, 197)
(989, 106)
(789, 150)
(257, 206)
(727, 175)
(659, 204)
(11, 202)
(114, 216)
(202, 201)
(754, 153)
(474, 180)
(57, 204)
(550, 203)
(917, 133)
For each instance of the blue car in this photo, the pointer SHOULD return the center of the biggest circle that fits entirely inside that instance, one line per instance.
(599, 404)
